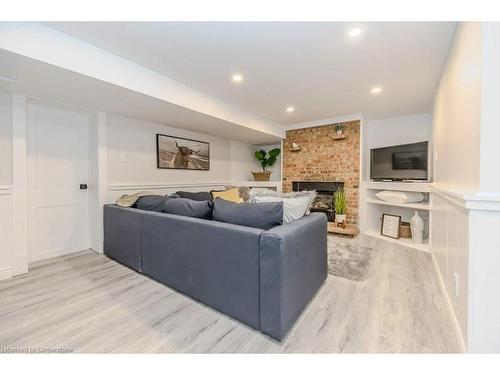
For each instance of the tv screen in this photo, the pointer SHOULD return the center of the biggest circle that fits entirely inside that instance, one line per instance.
(401, 162)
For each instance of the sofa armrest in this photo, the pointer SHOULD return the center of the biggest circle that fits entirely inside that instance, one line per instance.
(122, 235)
(293, 266)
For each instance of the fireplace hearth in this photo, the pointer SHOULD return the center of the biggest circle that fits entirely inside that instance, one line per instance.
(324, 200)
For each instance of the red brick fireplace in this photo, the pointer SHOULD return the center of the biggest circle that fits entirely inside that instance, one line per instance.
(323, 156)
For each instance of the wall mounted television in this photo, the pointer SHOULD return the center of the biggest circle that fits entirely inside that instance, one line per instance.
(400, 163)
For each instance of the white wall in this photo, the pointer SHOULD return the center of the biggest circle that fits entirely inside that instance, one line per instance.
(467, 207)
(456, 157)
(458, 112)
(393, 131)
(131, 146)
(484, 282)
(5, 139)
(450, 247)
(484, 244)
(242, 161)
(490, 108)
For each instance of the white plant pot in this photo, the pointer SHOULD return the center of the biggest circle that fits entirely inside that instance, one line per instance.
(340, 218)
(339, 132)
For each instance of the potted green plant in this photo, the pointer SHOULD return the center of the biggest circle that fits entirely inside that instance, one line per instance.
(266, 160)
(339, 128)
(340, 206)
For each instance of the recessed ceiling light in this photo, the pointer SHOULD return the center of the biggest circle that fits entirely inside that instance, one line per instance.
(290, 109)
(353, 33)
(376, 90)
(237, 78)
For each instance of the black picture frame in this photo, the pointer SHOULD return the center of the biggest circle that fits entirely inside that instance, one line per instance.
(398, 222)
(200, 162)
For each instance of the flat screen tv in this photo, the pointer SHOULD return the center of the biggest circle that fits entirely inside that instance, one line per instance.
(400, 163)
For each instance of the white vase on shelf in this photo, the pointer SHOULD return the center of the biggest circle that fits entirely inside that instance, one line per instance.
(417, 228)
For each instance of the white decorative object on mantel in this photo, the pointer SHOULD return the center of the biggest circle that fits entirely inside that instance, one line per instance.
(417, 228)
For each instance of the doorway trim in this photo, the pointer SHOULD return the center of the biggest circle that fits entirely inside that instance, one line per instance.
(48, 241)
(19, 253)
(19, 186)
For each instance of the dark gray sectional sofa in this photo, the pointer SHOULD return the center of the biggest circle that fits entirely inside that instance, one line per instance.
(262, 278)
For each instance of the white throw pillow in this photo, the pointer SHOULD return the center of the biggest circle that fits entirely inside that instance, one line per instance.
(400, 196)
(293, 208)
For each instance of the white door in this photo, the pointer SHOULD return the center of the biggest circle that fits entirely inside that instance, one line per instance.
(57, 145)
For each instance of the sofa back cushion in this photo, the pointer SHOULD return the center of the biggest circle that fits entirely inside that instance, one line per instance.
(196, 196)
(257, 215)
(152, 203)
(189, 207)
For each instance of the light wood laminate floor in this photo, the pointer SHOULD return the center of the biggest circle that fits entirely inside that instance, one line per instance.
(89, 303)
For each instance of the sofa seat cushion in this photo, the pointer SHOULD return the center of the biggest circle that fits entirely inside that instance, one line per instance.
(196, 196)
(189, 207)
(257, 215)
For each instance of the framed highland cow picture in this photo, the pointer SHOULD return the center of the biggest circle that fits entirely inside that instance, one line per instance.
(182, 153)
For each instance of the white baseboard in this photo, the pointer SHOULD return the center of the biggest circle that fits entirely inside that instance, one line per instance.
(5, 273)
(98, 251)
(444, 292)
(20, 264)
(56, 253)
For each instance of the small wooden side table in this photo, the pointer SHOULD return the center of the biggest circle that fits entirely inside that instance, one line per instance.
(349, 230)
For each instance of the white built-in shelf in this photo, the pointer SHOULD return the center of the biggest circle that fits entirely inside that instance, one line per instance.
(408, 242)
(373, 208)
(418, 206)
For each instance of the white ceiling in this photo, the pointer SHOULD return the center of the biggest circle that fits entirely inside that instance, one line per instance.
(46, 81)
(314, 67)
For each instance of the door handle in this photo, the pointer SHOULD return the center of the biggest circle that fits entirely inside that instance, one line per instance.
(83, 186)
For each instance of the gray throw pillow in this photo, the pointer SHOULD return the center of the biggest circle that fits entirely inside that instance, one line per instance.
(197, 196)
(257, 215)
(189, 207)
(152, 203)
